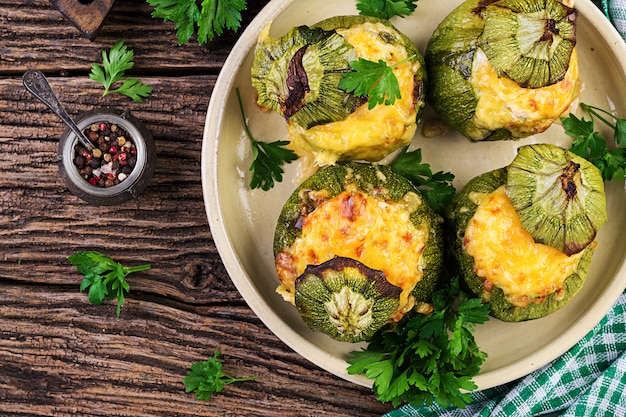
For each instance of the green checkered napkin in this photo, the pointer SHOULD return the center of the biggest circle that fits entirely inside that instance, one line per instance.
(588, 380)
(615, 10)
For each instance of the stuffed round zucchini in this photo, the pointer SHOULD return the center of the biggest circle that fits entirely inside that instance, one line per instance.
(522, 236)
(298, 76)
(357, 247)
(503, 69)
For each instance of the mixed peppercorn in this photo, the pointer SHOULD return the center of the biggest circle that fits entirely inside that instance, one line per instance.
(112, 158)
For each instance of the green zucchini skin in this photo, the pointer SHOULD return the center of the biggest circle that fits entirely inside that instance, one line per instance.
(326, 283)
(449, 56)
(369, 177)
(458, 215)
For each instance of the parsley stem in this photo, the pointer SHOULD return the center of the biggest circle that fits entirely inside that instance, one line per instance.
(408, 58)
(243, 117)
(131, 269)
(233, 379)
(592, 111)
(397, 64)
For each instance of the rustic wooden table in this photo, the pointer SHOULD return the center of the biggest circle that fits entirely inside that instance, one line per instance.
(59, 355)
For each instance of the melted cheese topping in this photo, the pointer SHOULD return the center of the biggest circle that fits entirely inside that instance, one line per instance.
(506, 256)
(502, 103)
(365, 134)
(377, 233)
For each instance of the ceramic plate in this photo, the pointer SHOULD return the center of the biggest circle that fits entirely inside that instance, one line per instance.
(242, 220)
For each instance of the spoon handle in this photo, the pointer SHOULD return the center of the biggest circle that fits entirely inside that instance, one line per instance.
(37, 84)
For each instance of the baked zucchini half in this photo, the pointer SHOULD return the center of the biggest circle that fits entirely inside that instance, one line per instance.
(298, 76)
(503, 69)
(357, 246)
(527, 260)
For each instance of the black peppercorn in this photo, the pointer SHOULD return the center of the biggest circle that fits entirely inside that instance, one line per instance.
(111, 160)
(79, 161)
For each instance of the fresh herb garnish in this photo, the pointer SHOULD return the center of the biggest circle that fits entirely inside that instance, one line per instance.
(427, 357)
(373, 79)
(267, 158)
(386, 9)
(119, 60)
(210, 19)
(592, 146)
(436, 186)
(104, 277)
(206, 378)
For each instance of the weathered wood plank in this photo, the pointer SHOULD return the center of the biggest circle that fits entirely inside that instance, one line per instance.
(61, 356)
(35, 35)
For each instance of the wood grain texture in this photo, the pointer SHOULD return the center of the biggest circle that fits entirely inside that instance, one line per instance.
(61, 356)
(35, 35)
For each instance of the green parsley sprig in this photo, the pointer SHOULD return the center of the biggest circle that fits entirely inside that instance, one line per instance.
(114, 65)
(592, 146)
(207, 378)
(104, 277)
(386, 9)
(427, 357)
(375, 80)
(267, 158)
(209, 20)
(436, 186)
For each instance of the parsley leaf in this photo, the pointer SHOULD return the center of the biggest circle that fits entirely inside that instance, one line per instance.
(210, 19)
(592, 146)
(134, 89)
(267, 158)
(436, 186)
(427, 357)
(104, 277)
(373, 79)
(207, 378)
(386, 9)
(119, 60)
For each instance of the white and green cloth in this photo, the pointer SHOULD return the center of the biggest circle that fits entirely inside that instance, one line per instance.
(588, 380)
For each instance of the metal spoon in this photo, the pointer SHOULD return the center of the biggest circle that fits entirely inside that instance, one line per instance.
(37, 84)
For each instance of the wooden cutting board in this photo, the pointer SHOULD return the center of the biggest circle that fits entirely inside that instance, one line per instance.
(86, 15)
